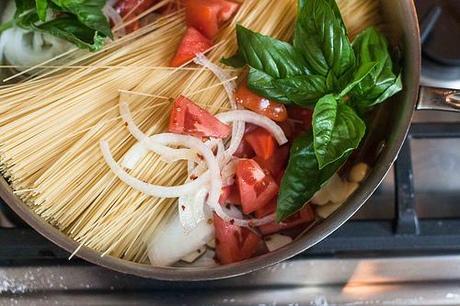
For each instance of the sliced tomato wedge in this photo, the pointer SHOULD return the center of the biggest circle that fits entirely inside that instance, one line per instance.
(302, 115)
(230, 195)
(256, 186)
(267, 209)
(190, 119)
(208, 15)
(192, 43)
(271, 109)
(234, 243)
(244, 150)
(276, 163)
(262, 142)
(306, 215)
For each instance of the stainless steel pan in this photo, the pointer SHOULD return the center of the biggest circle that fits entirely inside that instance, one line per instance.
(386, 135)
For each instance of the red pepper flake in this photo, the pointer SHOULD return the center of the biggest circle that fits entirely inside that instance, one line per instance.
(227, 206)
(126, 123)
(193, 177)
(232, 221)
(210, 221)
(199, 156)
(183, 207)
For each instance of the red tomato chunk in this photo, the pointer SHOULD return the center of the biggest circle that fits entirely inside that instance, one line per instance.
(208, 15)
(192, 43)
(188, 118)
(256, 186)
(234, 243)
(271, 109)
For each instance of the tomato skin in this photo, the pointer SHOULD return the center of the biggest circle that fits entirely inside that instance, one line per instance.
(271, 109)
(306, 215)
(208, 15)
(190, 119)
(230, 195)
(275, 163)
(267, 209)
(256, 187)
(192, 43)
(262, 142)
(134, 8)
(304, 115)
(234, 243)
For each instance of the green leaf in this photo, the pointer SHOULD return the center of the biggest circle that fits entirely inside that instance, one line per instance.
(71, 29)
(236, 61)
(262, 84)
(371, 46)
(358, 77)
(274, 57)
(337, 130)
(332, 3)
(302, 90)
(89, 13)
(302, 178)
(321, 37)
(42, 8)
(24, 7)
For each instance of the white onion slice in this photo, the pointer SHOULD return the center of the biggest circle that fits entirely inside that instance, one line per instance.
(171, 243)
(230, 88)
(254, 118)
(191, 209)
(138, 151)
(150, 189)
(117, 20)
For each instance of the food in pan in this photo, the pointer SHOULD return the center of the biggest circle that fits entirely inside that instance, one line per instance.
(212, 127)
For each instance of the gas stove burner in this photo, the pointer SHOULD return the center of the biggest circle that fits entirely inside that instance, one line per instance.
(440, 33)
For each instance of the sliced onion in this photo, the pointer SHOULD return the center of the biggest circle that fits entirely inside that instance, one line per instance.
(191, 209)
(117, 20)
(170, 243)
(139, 151)
(150, 189)
(254, 118)
(228, 173)
(230, 87)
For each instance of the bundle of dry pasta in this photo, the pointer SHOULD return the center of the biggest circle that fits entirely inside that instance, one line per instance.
(51, 125)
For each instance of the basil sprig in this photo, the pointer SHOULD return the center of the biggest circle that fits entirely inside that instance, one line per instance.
(80, 22)
(321, 68)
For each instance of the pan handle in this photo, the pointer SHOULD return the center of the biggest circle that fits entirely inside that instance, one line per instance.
(441, 99)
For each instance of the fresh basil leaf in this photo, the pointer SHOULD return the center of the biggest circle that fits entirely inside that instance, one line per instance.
(42, 8)
(89, 13)
(274, 57)
(262, 84)
(390, 91)
(332, 3)
(302, 90)
(358, 76)
(321, 37)
(302, 178)
(337, 130)
(24, 7)
(71, 29)
(236, 61)
(371, 46)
